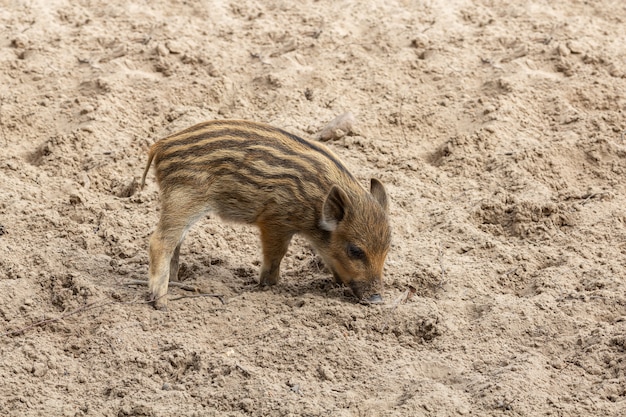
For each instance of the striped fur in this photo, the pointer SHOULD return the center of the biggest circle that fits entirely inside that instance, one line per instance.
(254, 173)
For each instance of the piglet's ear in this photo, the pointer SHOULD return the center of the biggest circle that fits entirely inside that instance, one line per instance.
(378, 191)
(334, 208)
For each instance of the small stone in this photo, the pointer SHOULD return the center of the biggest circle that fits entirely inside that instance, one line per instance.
(575, 47)
(294, 386)
(490, 108)
(162, 50)
(52, 364)
(20, 41)
(562, 50)
(75, 199)
(174, 47)
(326, 373)
(295, 303)
(166, 386)
(340, 126)
(112, 205)
(426, 54)
(462, 411)
(39, 369)
(420, 41)
(29, 302)
(247, 404)
(557, 364)
(87, 109)
(84, 180)
(212, 70)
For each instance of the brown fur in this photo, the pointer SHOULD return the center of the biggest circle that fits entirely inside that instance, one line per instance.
(254, 173)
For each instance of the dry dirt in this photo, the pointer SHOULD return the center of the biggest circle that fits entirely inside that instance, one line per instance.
(498, 127)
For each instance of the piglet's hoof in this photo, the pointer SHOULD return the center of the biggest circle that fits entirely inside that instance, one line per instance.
(159, 303)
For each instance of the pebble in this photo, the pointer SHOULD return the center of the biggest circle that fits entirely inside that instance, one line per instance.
(326, 373)
(563, 50)
(174, 47)
(490, 108)
(162, 50)
(87, 109)
(247, 404)
(575, 47)
(39, 369)
(420, 41)
(166, 386)
(295, 303)
(426, 54)
(112, 205)
(20, 41)
(294, 386)
(52, 364)
(75, 199)
(340, 126)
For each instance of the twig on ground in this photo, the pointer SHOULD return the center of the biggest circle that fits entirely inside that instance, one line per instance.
(511, 271)
(505, 405)
(243, 370)
(81, 309)
(199, 291)
(403, 298)
(587, 198)
(42, 323)
(100, 304)
(6, 141)
(442, 281)
(406, 142)
(219, 297)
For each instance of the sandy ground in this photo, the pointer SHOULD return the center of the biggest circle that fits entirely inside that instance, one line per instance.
(498, 128)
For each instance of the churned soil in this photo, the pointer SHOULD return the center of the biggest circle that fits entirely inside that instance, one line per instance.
(497, 127)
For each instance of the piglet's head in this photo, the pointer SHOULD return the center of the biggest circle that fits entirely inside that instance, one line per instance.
(359, 238)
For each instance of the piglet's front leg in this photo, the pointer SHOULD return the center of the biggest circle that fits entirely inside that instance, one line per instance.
(275, 244)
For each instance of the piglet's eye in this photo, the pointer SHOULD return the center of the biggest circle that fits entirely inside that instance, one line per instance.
(356, 253)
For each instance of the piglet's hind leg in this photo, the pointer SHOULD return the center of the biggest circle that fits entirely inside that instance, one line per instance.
(162, 247)
(176, 219)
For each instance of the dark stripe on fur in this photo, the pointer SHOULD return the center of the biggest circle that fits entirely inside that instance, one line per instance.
(245, 174)
(205, 131)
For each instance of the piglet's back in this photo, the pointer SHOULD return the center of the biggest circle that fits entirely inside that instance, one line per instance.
(249, 168)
